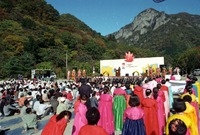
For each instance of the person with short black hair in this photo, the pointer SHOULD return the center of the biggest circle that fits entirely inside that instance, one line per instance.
(80, 116)
(43, 109)
(119, 105)
(191, 98)
(191, 112)
(85, 89)
(23, 109)
(54, 103)
(128, 88)
(94, 100)
(149, 105)
(159, 96)
(165, 89)
(29, 120)
(179, 107)
(61, 106)
(197, 87)
(9, 109)
(133, 118)
(138, 90)
(57, 124)
(91, 128)
(105, 108)
(189, 89)
(45, 96)
(177, 127)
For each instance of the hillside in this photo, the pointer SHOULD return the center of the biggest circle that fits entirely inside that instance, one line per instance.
(34, 35)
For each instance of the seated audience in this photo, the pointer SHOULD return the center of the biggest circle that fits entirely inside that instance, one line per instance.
(29, 120)
(9, 109)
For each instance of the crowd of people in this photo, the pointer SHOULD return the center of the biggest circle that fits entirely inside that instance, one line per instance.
(133, 106)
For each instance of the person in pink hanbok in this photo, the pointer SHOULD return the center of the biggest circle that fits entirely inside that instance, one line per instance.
(133, 118)
(80, 116)
(106, 115)
(158, 96)
(165, 89)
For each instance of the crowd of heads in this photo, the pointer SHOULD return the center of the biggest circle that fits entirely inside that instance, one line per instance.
(12, 90)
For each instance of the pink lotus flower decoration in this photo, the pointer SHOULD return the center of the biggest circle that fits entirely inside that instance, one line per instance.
(129, 57)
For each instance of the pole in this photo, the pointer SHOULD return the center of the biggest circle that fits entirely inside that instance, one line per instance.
(66, 66)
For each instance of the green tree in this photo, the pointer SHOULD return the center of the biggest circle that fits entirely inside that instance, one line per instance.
(45, 65)
(190, 59)
(15, 43)
(20, 64)
(28, 23)
(94, 50)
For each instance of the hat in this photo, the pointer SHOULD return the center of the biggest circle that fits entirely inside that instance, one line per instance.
(62, 99)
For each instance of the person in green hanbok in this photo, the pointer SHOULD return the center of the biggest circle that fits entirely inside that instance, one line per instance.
(119, 105)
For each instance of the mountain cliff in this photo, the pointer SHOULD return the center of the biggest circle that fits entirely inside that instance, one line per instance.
(165, 33)
(147, 20)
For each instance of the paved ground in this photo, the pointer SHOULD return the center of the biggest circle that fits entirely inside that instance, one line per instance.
(14, 123)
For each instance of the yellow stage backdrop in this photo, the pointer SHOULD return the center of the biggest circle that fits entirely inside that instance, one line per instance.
(107, 67)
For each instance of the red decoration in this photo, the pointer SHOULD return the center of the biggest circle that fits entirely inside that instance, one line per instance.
(129, 57)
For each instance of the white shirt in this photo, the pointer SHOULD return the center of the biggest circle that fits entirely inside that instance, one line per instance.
(36, 105)
(41, 109)
(35, 93)
(112, 90)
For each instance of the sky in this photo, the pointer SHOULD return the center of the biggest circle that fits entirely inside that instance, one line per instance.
(108, 16)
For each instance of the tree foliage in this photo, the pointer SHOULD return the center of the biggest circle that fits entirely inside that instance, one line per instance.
(190, 59)
(19, 64)
(34, 35)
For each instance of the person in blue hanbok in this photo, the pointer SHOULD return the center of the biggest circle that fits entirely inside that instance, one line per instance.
(133, 118)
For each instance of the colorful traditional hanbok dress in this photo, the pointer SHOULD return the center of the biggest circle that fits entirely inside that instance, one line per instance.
(79, 119)
(106, 114)
(119, 105)
(149, 106)
(161, 111)
(165, 89)
(133, 122)
(185, 119)
(54, 127)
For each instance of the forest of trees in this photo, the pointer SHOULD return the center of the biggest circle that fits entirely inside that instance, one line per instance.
(34, 35)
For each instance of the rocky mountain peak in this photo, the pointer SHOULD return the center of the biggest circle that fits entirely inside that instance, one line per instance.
(149, 19)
